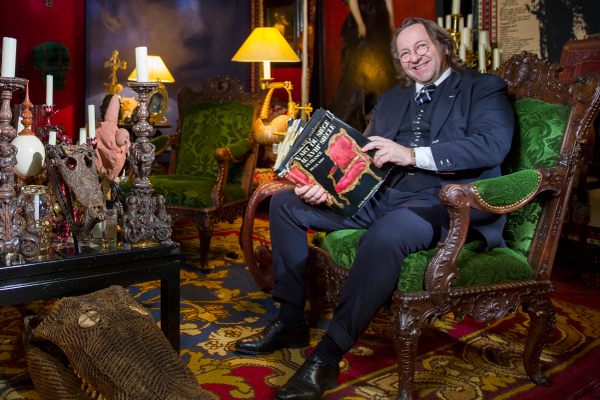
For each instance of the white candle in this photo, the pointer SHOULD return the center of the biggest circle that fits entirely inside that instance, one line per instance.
(82, 136)
(36, 206)
(440, 21)
(266, 69)
(448, 21)
(455, 7)
(482, 67)
(91, 121)
(484, 39)
(141, 63)
(49, 89)
(470, 21)
(462, 52)
(461, 23)
(466, 38)
(496, 58)
(9, 57)
(52, 138)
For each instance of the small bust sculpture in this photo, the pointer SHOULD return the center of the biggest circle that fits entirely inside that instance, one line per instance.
(113, 142)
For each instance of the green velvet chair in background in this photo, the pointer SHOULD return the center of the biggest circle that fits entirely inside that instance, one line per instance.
(213, 156)
(455, 277)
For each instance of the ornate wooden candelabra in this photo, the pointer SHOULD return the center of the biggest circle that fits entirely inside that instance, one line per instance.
(145, 216)
(15, 217)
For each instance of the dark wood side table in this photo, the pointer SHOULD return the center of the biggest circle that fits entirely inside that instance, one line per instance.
(77, 275)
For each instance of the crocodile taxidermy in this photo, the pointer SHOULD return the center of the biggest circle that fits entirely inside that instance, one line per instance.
(105, 345)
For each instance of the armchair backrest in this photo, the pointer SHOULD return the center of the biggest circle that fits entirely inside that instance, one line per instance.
(553, 121)
(219, 113)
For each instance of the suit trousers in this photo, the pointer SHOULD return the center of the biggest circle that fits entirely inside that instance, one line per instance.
(398, 223)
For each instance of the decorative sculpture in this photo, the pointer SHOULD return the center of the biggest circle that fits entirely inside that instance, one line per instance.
(115, 64)
(112, 142)
(75, 165)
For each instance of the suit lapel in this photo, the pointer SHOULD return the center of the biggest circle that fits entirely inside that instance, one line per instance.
(401, 101)
(448, 94)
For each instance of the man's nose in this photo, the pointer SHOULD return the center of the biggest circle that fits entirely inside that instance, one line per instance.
(414, 57)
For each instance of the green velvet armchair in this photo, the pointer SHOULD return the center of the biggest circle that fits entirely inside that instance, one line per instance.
(213, 157)
(456, 277)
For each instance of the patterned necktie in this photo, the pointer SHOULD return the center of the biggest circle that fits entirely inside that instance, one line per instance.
(424, 95)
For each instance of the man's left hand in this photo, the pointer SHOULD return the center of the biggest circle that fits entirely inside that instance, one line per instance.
(389, 151)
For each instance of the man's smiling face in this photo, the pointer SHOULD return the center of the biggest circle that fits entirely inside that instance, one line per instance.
(420, 58)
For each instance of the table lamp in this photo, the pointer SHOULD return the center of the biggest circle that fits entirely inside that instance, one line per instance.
(268, 45)
(158, 102)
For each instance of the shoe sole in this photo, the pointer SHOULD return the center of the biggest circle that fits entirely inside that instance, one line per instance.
(328, 386)
(259, 353)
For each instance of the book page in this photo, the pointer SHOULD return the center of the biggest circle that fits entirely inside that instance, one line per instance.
(293, 131)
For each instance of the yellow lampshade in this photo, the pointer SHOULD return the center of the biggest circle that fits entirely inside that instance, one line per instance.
(157, 71)
(266, 44)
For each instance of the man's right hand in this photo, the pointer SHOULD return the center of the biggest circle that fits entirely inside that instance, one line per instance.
(312, 194)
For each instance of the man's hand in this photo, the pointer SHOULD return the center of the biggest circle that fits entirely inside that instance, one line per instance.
(312, 194)
(389, 151)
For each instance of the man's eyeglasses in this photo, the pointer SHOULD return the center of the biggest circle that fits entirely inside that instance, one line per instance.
(420, 50)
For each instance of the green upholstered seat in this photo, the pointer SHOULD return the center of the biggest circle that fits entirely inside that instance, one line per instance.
(540, 130)
(206, 127)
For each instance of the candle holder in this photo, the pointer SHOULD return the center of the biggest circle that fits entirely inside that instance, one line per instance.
(38, 202)
(471, 58)
(16, 235)
(455, 31)
(49, 111)
(145, 217)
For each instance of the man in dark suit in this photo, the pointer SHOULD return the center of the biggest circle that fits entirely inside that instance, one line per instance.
(442, 124)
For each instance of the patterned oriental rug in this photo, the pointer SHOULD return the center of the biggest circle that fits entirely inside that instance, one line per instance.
(456, 360)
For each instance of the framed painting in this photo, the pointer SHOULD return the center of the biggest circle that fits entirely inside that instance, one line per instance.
(286, 16)
(195, 38)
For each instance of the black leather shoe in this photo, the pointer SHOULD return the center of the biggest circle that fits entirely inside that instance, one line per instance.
(274, 336)
(311, 380)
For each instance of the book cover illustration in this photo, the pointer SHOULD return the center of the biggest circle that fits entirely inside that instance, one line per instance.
(329, 152)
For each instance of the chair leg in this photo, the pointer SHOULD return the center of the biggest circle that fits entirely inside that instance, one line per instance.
(205, 237)
(407, 330)
(541, 323)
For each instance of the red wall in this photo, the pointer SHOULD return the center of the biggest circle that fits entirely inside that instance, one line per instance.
(32, 23)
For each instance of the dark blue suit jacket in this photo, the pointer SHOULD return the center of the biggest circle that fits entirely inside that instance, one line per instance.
(471, 131)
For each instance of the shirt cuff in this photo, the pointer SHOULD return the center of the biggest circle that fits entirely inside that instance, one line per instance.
(424, 158)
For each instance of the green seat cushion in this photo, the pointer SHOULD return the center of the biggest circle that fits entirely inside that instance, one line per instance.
(191, 191)
(475, 267)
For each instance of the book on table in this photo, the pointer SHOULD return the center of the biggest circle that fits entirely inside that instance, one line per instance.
(328, 151)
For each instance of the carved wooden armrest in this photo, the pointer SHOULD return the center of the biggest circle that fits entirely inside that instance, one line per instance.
(489, 195)
(162, 145)
(235, 153)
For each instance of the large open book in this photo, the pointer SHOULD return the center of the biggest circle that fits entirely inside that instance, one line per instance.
(327, 151)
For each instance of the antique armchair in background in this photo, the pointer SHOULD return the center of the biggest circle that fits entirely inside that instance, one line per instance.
(213, 156)
(579, 56)
(553, 120)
